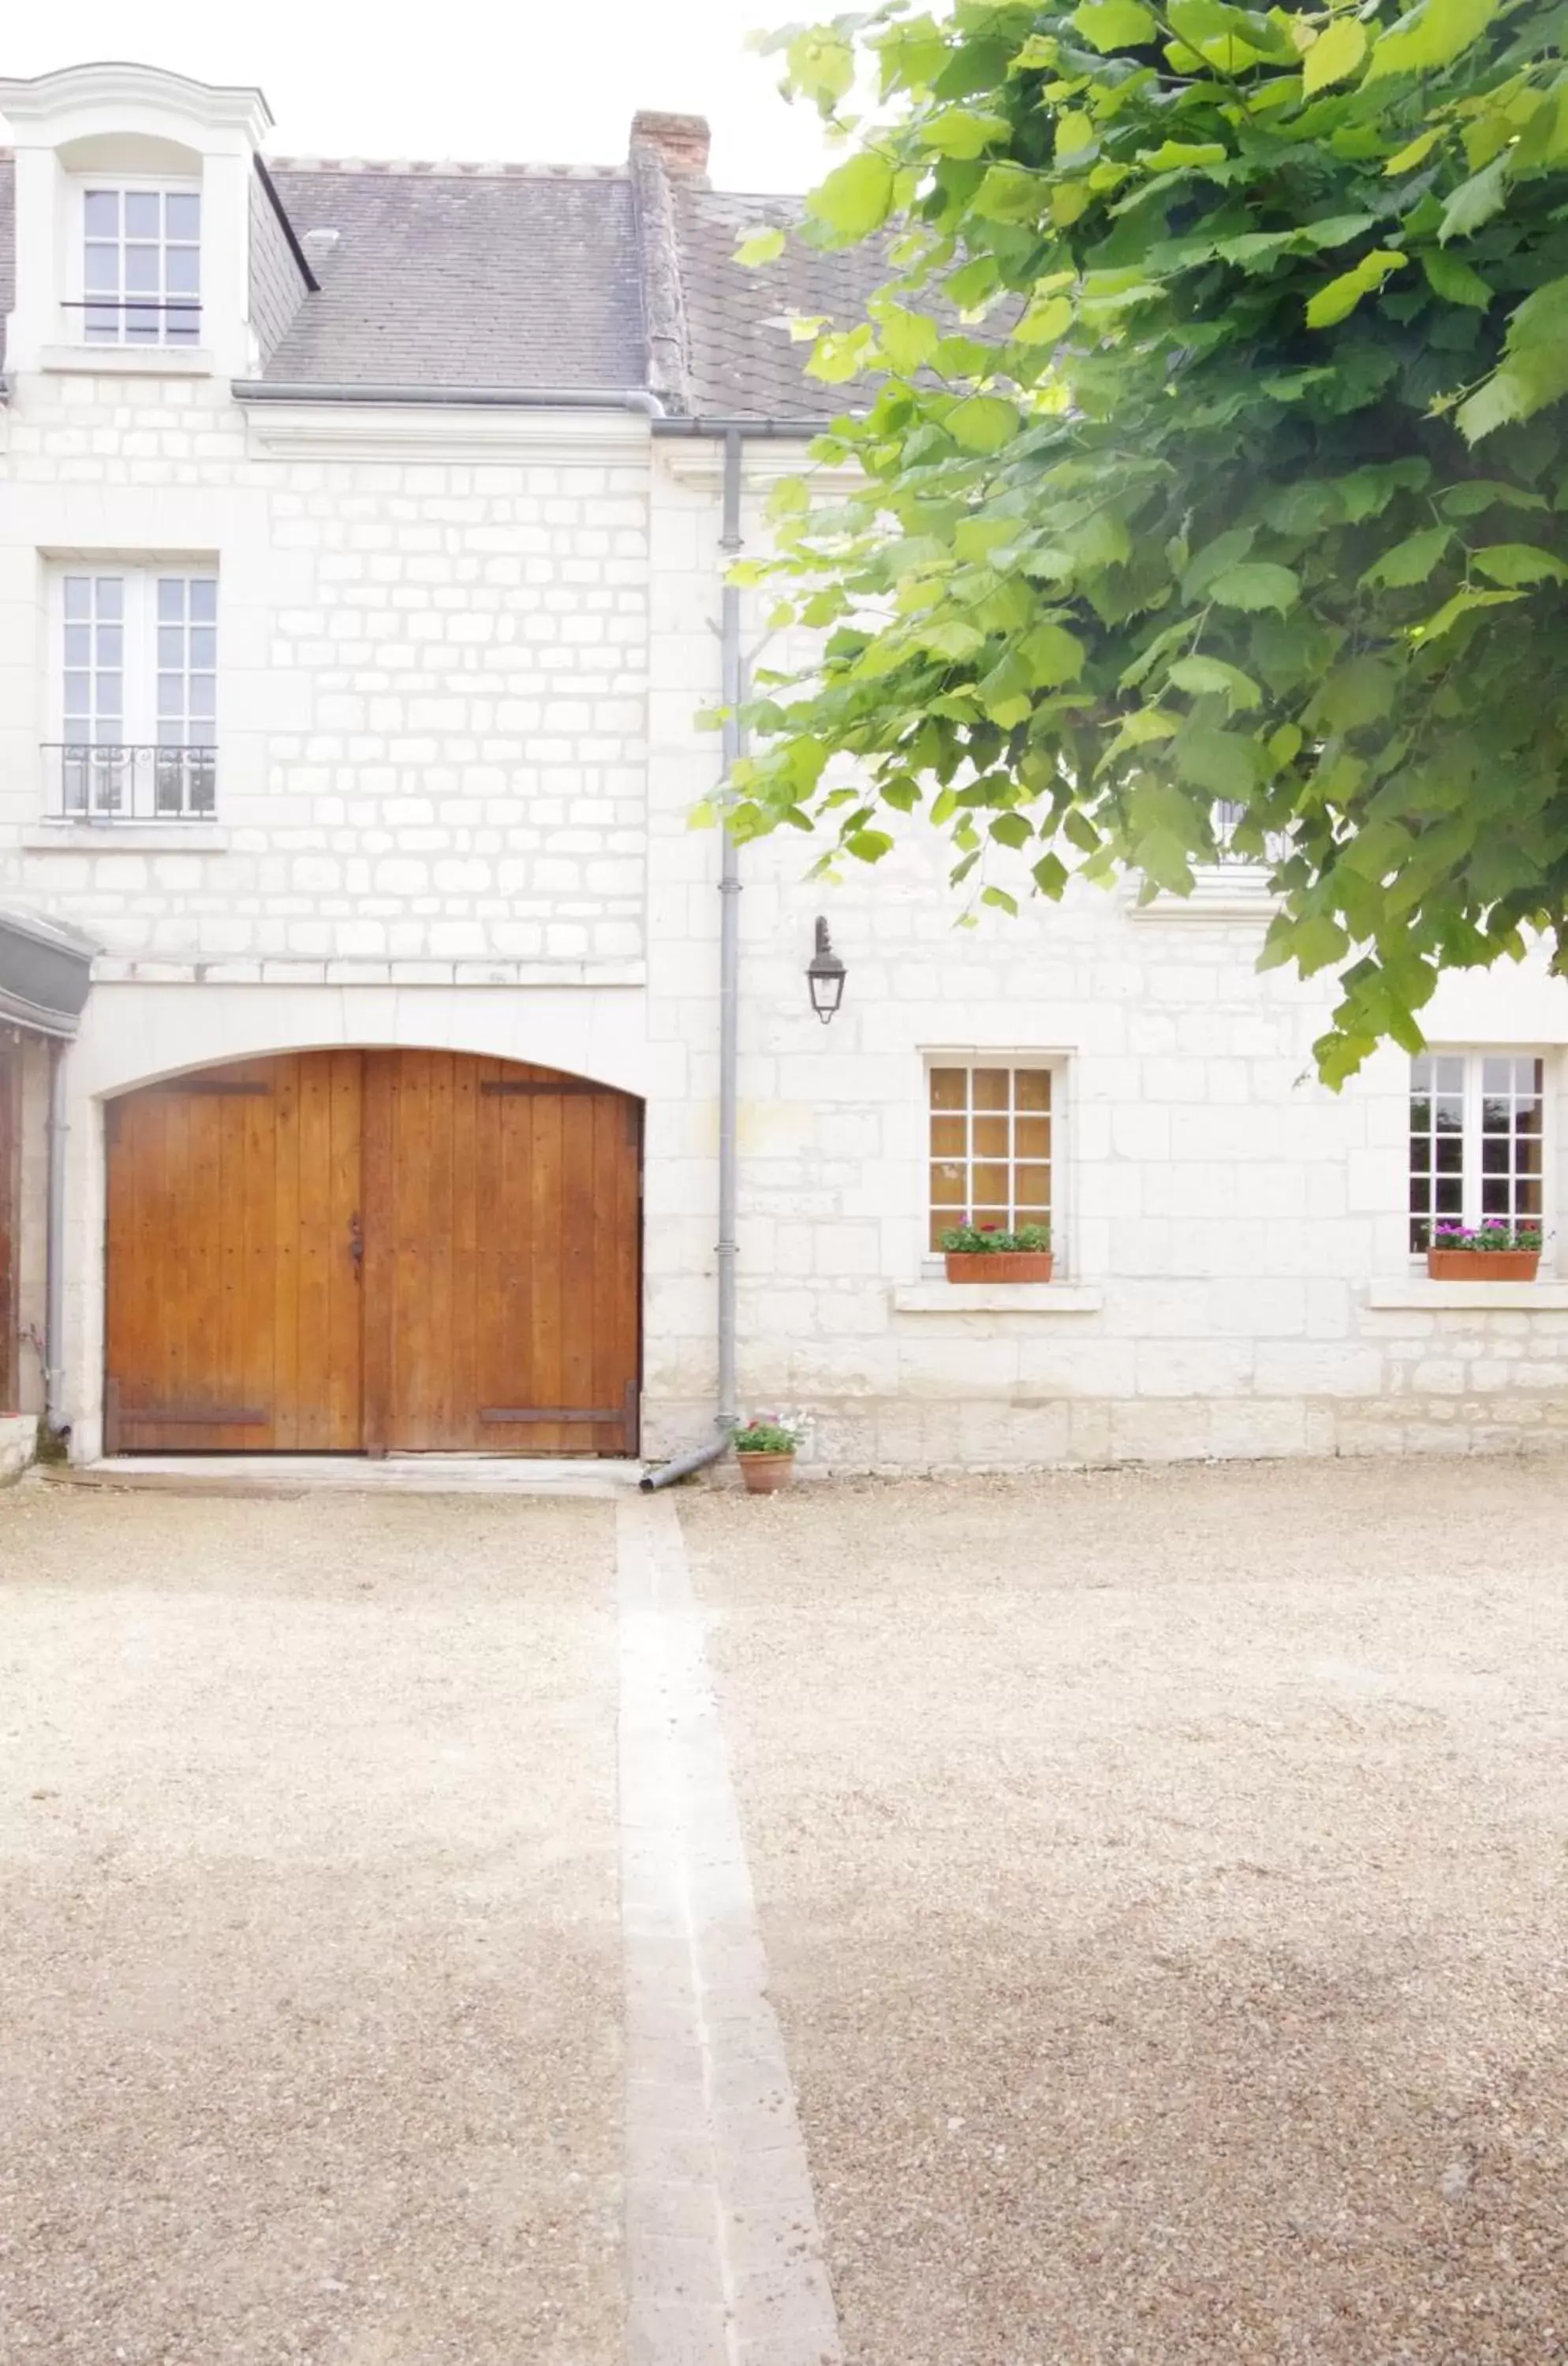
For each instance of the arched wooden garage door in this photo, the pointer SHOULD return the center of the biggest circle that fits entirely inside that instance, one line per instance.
(346, 1252)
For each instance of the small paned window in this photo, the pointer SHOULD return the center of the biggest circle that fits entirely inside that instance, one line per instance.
(138, 694)
(990, 1147)
(140, 266)
(1477, 1140)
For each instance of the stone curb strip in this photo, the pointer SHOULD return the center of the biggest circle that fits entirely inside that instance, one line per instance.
(724, 2257)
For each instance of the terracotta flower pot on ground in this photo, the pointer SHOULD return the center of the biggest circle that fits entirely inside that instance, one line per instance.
(765, 1473)
(1474, 1265)
(999, 1265)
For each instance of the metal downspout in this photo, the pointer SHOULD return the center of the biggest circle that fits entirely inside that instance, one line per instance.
(727, 1416)
(54, 1244)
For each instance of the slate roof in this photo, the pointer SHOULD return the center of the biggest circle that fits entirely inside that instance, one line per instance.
(601, 279)
(447, 278)
(741, 361)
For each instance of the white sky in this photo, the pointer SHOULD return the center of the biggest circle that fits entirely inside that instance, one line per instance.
(523, 81)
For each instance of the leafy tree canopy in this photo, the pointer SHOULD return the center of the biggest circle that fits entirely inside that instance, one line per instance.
(1210, 453)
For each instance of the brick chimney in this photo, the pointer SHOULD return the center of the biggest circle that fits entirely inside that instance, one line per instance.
(680, 141)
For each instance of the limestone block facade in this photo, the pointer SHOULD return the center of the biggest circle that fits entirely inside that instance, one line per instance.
(462, 645)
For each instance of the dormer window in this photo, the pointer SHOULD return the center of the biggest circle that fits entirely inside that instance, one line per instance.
(140, 264)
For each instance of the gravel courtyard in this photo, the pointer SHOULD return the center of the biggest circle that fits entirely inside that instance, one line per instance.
(309, 1981)
(1164, 1881)
(1163, 1875)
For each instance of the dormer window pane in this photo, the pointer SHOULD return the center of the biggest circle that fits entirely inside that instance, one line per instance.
(142, 249)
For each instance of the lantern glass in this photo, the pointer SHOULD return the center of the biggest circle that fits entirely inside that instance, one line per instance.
(825, 976)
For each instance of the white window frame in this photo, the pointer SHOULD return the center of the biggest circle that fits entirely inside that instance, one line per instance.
(1057, 1065)
(81, 296)
(1472, 1134)
(140, 795)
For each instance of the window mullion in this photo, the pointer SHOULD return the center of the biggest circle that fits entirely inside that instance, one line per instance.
(1471, 1194)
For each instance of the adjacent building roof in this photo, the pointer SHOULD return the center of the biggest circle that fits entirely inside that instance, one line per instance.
(488, 278)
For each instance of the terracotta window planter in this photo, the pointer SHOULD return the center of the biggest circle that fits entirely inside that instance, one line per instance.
(999, 1265)
(765, 1473)
(1480, 1265)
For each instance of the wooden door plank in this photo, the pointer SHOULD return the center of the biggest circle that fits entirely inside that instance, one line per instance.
(379, 1271)
(539, 1233)
(258, 1359)
(286, 1269)
(315, 1256)
(347, 1073)
(617, 1150)
(412, 1383)
(574, 1251)
(471, 1218)
(441, 1432)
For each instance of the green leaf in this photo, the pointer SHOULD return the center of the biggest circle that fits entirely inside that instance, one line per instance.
(762, 246)
(907, 339)
(1178, 156)
(1211, 676)
(1012, 829)
(1341, 296)
(1075, 132)
(1478, 493)
(1045, 323)
(999, 898)
(958, 131)
(1336, 229)
(1361, 692)
(1114, 24)
(1221, 762)
(1053, 656)
(856, 197)
(1257, 583)
(1475, 201)
(1534, 371)
(1337, 51)
(1011, 193)
(1418, 150)
(1518, 563)
(1448, 615)
(1215, 558)
(1410, 561)
(982, 422)
(868, 845)
(1454, 281)
(1144, 725)
(1431, 35)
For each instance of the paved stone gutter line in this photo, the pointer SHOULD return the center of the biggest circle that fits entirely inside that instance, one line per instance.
(724, 2253)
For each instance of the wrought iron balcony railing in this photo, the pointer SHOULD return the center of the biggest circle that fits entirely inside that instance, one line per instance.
(113, 781)
(138, 319)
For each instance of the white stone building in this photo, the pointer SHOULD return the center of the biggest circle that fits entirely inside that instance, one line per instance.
(360, 575)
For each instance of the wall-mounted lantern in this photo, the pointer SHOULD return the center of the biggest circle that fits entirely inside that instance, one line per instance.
(825, 975)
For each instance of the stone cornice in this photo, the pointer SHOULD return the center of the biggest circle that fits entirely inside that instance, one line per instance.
(112, 85)
(441, 432)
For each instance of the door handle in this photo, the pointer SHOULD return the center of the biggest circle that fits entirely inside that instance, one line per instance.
(355, 1243)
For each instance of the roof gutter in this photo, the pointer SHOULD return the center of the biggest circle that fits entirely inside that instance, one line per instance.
(496, 398)
(763, 431)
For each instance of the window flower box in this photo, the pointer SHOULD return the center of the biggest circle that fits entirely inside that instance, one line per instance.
(982, 1253)
(1493, 1252)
